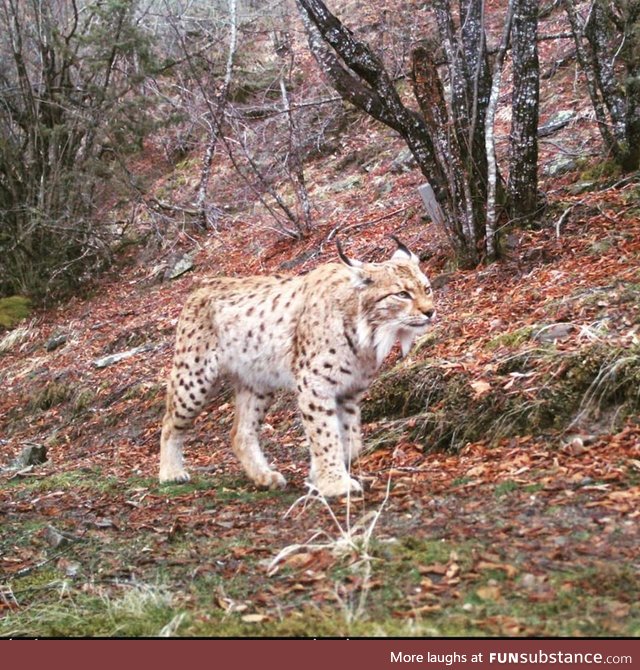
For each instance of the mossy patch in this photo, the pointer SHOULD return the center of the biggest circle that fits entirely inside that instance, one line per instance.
(601, 171)
(13, 309)
(446, 411)
(80, 479)
(512, 339)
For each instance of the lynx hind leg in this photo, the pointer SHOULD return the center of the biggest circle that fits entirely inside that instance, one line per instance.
(192, 383)
(171, 441)
(250, 410)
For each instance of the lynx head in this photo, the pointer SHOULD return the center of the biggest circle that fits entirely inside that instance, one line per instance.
(396, 300)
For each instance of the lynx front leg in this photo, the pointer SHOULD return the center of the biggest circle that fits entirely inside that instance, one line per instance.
(321, 423)
(349, 421)
(250, 410)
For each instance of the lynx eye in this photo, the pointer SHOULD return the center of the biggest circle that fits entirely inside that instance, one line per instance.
(405, 295)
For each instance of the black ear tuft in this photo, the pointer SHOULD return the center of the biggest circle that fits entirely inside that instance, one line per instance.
(345, 260)
(401, 246)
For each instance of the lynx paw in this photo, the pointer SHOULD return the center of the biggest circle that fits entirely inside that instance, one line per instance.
(332, 488)
(271, 479)
(174, 475)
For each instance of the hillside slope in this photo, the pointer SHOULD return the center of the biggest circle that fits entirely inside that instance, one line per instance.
(503, 469)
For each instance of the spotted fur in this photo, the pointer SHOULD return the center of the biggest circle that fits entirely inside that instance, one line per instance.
(323, 335)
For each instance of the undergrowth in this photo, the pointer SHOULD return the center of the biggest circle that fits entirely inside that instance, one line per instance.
(533, 389)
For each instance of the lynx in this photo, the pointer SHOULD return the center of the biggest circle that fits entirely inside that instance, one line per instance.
(323, 334)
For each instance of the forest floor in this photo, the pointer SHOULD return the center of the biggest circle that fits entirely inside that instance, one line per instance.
(502, 473)
(530, 531)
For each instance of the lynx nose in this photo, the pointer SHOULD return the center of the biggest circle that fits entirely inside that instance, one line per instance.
(429, 313)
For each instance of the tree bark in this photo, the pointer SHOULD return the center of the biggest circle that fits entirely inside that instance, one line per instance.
(577, 28)
(523, 163)
(445, 158)
(492, 171)
(610, 35)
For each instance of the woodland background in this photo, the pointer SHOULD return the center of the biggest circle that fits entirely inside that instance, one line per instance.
(146, 145)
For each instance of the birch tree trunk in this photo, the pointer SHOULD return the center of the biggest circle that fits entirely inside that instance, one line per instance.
(492, 171)
(523, 161)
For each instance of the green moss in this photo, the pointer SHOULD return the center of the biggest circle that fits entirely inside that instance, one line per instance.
(13, 310)
(512, 339)
(136, 612)
(83, 398)
(601, 170)
(423, 551)
(80, 479)
(442, 410)
(505, 487)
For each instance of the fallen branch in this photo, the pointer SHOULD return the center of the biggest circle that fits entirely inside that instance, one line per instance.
(564, 217)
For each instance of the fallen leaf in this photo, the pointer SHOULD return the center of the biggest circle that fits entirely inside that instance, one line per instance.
(476, 470)
(300, 560)
(424, 609)
(254, 618)
(480, 387)
(509, 570)
(618, 609)
(452, 571)
(489, 592)
(433, 568)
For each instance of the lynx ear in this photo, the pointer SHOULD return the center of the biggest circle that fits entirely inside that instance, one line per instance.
(403, 252)
(360, 277)
(352, 263)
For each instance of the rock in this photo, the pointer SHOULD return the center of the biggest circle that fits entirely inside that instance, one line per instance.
(557, 331)
(182, 265)
(116, 358)
(57, 538)
(298, 260)
(403, 162)
(56, 341)
(582, 187)
(34, 454)
(70, 568)
(439, 281)
(556, 122)
(431, 205)
(559, 166)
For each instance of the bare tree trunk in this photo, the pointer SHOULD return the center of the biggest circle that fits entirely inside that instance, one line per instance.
(216, 116)
(492, 172)
(577, 29)
(598, 31)
(293, 163)
(429, 93)
(361, 78)
(608, 36)
(523, 162)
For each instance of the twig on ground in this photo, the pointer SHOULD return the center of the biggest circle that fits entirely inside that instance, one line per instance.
(564, 217)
